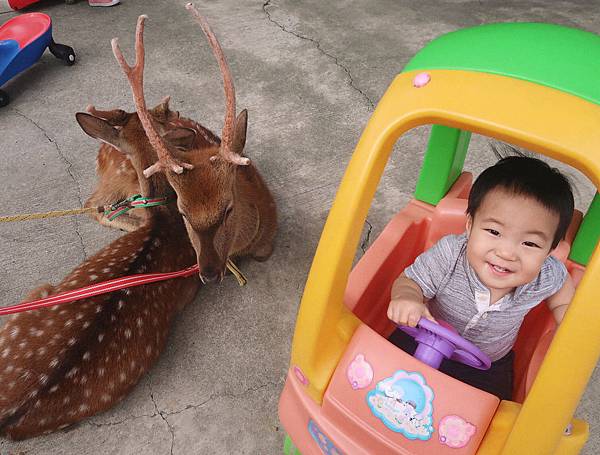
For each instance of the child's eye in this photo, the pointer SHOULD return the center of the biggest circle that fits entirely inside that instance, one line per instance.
(493, 232)
(531, 244)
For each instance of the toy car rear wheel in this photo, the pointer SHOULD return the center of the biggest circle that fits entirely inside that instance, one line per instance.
(4, 99)
(63, 52)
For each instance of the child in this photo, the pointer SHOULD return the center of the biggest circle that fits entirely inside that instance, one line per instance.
(484, 281)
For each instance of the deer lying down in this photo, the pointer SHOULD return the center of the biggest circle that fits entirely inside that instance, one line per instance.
(61, 364)
(117, 179)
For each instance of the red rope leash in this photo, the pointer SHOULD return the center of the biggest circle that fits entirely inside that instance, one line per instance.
(97, 289)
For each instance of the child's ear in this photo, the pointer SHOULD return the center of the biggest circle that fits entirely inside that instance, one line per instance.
(469, 225)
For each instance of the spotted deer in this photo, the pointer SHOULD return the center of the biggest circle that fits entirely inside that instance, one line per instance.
(61, 364)
(117, 178)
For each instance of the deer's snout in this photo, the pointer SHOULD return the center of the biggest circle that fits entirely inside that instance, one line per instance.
(210, 275)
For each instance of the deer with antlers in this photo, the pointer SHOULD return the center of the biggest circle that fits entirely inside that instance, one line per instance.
(228, 209)
(62, 364)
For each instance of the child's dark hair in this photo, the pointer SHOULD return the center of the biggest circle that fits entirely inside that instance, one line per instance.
(526, 176)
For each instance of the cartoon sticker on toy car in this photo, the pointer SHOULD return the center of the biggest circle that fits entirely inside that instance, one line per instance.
(404, 403)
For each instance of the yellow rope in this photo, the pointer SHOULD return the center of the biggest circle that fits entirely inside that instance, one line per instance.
(39, 216)
(236, 272)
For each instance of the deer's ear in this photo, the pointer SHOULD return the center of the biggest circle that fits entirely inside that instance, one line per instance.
(162, 111)
(182, 138)
(99, 129)
(239, 133)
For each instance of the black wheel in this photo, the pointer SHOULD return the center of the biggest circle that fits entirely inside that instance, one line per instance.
(63, 52)
(4, 99)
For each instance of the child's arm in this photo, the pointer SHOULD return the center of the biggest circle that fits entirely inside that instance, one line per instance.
(406, 306)
(559, 302)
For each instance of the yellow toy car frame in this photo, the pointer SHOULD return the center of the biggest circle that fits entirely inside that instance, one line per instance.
(532, 85)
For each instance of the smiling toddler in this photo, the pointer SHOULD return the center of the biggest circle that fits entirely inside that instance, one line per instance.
(485, 281)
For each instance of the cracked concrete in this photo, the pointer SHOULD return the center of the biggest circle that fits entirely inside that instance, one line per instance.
(310, 74)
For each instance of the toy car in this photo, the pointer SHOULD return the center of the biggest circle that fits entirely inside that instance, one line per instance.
(23, 40)
(349, 390)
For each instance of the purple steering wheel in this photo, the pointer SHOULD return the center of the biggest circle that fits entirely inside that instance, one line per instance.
(436, 342)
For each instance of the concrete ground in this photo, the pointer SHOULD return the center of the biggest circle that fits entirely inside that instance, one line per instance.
(310, 74)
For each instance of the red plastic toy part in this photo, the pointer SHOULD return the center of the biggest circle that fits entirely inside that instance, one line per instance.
(15, 4)
(25, 29)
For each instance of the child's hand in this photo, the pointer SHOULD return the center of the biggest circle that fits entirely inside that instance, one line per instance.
(408, 312)
(406, 306)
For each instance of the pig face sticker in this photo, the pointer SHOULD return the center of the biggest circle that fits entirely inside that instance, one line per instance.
(404, 403)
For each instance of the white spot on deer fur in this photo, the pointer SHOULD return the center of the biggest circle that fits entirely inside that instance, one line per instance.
(148, 257)
(14, 332)
(83, 379)
(120, 304)
(71, 341)
(127, 333)
(113, 318)
(111, 385)
(105, 397)
(93, 277)
(66, 399)
(100, 337)
(86, 356)
(43, 422)
(69, 323)
(139, 322)
(87, 393)
(49, 322)
(62, 312)
(101, 372)
(72, 372)
(73, 282)
(79, 316)
(127, 291)
(33, 394)
(122, 377)
(53, 362)
(84, 408)
(54, 388)
(132, 364)
(43, 379)
(148, 350)
(86, 324)
(54, 308)
(98, 309)
(41, 351)
(29, 354)
(106, 270)
(9, 369)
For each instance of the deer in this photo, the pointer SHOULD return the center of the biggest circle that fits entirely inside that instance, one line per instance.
(63, 364)
(227, 208)
(117, 178)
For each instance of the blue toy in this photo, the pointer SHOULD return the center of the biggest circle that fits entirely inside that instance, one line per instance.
(23, 40)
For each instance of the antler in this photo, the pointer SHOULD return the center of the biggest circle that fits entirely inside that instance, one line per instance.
(135, 75)
(228, 126)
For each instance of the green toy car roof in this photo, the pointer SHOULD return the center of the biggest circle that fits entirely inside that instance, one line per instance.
(564, 58)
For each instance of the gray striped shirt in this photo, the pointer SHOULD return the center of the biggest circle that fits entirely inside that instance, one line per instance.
(458, 297)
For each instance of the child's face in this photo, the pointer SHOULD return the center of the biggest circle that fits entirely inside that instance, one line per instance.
(509, 239)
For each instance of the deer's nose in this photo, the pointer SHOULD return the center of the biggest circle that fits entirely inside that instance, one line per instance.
(209, 275)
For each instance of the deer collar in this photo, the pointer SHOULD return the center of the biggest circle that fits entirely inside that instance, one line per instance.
(134, 202)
